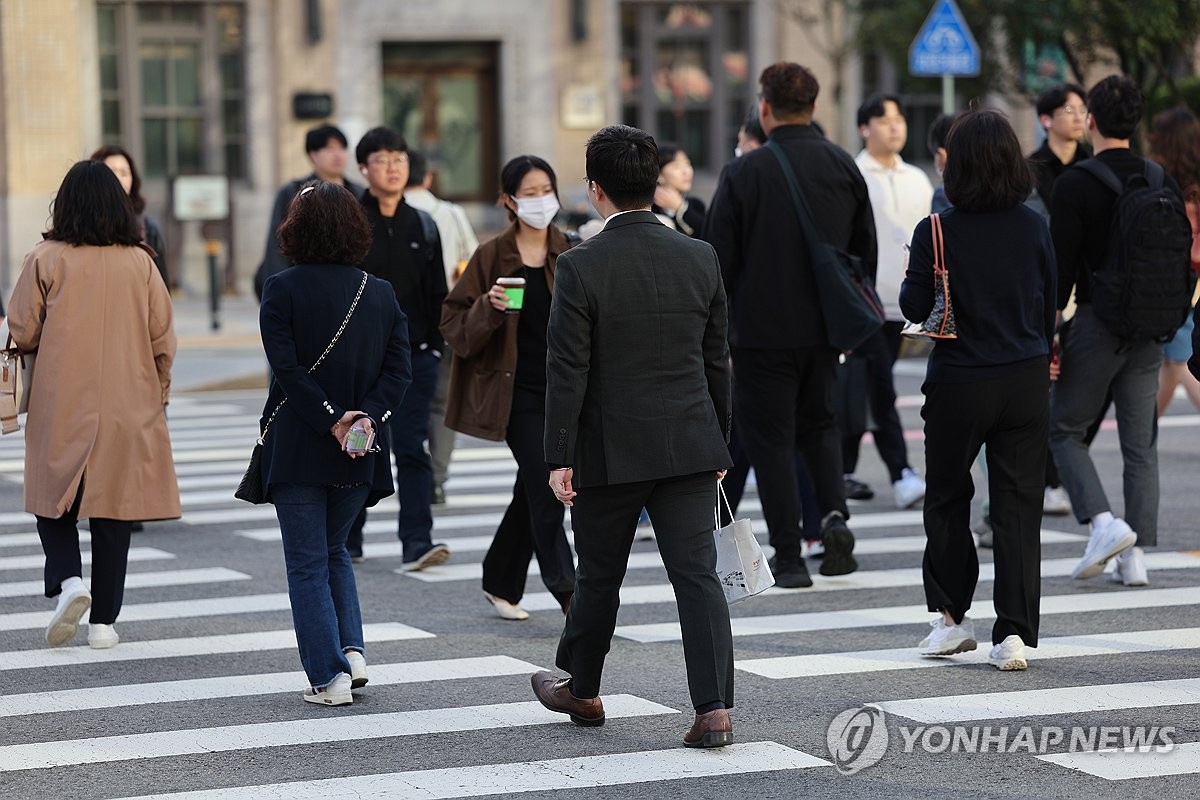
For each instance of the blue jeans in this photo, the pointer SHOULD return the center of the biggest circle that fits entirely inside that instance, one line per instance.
(325, 613)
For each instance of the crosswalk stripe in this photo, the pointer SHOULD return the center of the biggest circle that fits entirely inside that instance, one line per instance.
(137, 694)
(474, 571)
(38, 560)
(1043, 702)
(138, 580)
(903, 658)
(189, 646)
(613, 769)
(880, 616)
(107, 749)
(31, 539)
(175, 609)
(1125, 764)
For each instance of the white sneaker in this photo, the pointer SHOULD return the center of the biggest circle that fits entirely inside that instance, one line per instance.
(812, 549)
(73, 602)
(335, 694)
(102, 637)
(358, 669)
(1115, 538)
(1009, 655)
(909, 490)
(1055, 502)
(507, 610)
(1129, 568)
(946, 640)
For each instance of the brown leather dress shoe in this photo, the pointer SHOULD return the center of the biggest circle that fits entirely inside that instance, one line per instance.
(710, 730)
(555, 694)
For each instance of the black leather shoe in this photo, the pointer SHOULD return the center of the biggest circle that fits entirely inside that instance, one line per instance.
(839, 546)
(710, 730)
(791, 574)
(857, 490)
(555, 694)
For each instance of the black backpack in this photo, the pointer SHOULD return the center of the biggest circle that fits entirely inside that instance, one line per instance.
(1143, 288)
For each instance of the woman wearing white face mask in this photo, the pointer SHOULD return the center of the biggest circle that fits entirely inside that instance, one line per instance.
(498, 380)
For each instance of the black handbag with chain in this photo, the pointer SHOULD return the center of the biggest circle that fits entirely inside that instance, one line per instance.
(251, 488)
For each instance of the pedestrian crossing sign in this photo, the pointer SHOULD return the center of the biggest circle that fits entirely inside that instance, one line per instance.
(944, 45)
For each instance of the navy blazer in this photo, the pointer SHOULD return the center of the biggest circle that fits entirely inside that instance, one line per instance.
(637, 375)
(368, 369)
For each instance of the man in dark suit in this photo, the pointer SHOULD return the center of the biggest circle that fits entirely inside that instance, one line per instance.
(638, 415)
(784, 364)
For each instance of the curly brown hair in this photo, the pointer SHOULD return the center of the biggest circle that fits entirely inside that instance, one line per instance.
(1175, 143)
(790, 89)
(325, 224)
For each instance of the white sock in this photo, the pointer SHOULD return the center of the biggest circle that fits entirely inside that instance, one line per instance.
(72, 583)
(1101, 521)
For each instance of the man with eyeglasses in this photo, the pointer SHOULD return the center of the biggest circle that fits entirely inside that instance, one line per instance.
(1061, 112)
(406, 251)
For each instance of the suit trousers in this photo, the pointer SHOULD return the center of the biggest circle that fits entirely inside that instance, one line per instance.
(1011, 415)
(441, 438)
(604, 519)
(110, 557)
(533, 521)
(879, 354)
(784, 403)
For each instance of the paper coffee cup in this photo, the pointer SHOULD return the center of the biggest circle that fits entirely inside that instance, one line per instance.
(514, 289)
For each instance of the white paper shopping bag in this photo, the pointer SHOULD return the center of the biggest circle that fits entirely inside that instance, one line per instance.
(741, 565)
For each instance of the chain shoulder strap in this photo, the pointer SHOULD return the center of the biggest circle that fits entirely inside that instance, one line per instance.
(341, 329)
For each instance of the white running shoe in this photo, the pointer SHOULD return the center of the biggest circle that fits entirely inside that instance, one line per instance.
(102, 637)
(946, 640)
(1009, 655)
(1115, 538)
(909, 490)
(1055, 502)
(507, 610)
(1129, 568)
(73, 602)
(336, 693)
(358, 669)
(812, 549)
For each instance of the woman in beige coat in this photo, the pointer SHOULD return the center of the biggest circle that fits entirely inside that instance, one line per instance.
(91, 302)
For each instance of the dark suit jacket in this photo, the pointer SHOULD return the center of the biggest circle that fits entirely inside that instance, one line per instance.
(368, 369)
(753, 226)
(637, 368)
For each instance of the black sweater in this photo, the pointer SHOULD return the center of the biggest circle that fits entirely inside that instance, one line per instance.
(1001, 266)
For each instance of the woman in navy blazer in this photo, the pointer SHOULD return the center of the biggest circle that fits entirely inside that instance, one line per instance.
(317, 487)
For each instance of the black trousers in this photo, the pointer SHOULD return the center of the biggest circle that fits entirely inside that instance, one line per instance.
(783, 400)
(878, 354)
(1011, 415)
(110, 556)
(533, 522)
(735, 487)
(604, 519)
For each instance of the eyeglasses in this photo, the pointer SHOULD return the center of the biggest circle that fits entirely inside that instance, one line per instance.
(388, 163)
(1072, 111)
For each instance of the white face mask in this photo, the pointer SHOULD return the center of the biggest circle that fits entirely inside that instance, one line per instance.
(537, 212)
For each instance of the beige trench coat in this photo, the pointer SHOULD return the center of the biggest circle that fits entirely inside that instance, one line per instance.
(100, 320)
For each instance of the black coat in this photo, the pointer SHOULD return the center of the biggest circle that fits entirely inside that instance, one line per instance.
(753, 226)
(637, 369)
(368, 370)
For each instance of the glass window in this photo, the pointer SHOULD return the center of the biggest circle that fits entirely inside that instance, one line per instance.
(154, 74)
(189, 144)
(154, 147)
(185, 68)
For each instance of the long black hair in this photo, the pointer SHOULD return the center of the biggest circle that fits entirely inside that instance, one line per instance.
(92, 208)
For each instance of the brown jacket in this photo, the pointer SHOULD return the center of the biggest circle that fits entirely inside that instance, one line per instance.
(484, 340)
(100, 320)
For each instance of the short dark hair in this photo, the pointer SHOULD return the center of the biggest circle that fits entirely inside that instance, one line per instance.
(325, 224)
(135, 187)
(418, 168)
(1116, 103)
(939, 130)
(873, 107)
(1055, 98)
(753, 126)
(318, 138)
(985, 170)
(378, 140)
(667, 152)
(91, 207)
(623, 161)
(789, 89)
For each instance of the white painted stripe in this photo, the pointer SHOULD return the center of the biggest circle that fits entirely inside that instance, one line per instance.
(191, 444)
(31, 539)
(614, 769)
(882, 616)
(175, 609)
(907, 658)
(1123, 765)
(138, 580)
(388, 526)
(178, 411)
(107, 749)
(465, 572)
(237, 467)
(1043, 702)
(484, 453)
(189, 646)
(138, 694)
(38, 560)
